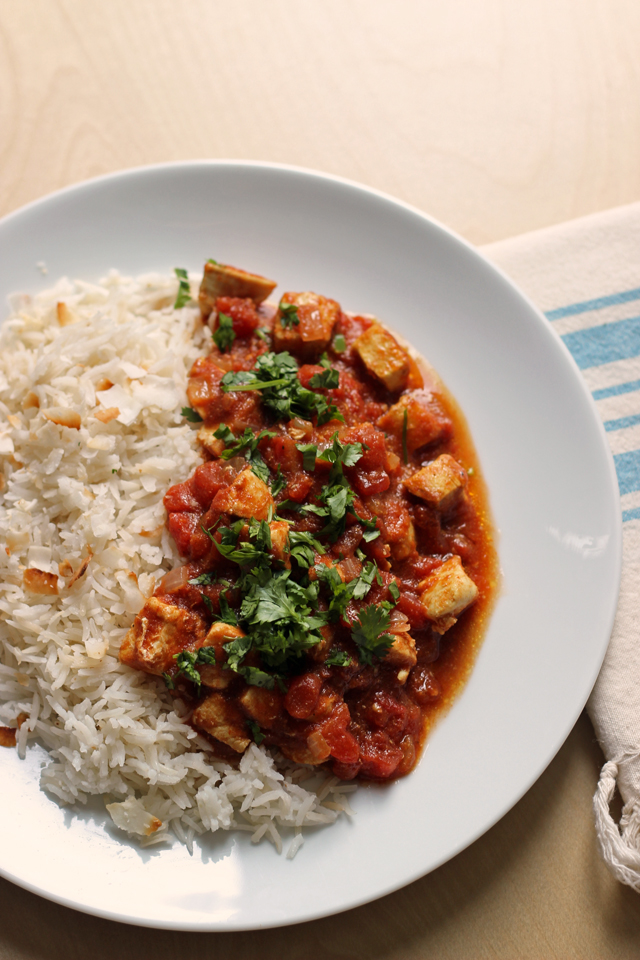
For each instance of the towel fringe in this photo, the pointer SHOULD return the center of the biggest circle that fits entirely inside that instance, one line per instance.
(619, 843)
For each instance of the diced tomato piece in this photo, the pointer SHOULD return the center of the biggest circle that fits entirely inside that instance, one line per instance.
(298, 487)
(181, 527)
(243, 314)
(344, 746)
(410, 604)
(207, 480)
(369, 475)
(181, 498)
(380, 757)
(302, 695)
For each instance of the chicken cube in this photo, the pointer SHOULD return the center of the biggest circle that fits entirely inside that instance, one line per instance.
(425, 420)
(223, 721)
(248, 496)
(402, 652)
(407, 545)
(314, 751)
(160, 631)
(306, 330)
(383, 356)
(211, 444)
(446, 592)
(262, 705)
(214, 675)
(442, 483)
(221, 280)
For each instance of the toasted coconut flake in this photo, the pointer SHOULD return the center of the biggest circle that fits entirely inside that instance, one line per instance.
(37, 581)
(31, 400)
(82, 569)
(64, 417)
(106, 416)
(65, 316)
(104, 384)
(20, 719)
(65, 569)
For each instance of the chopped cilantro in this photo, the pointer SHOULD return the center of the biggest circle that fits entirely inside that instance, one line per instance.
(256, 732)
(394, 590)
(278, 483)
(336, 497)
(224, 335)
(369, 632)
(264, 334)
(338, 658)
(289, 315)
(338, 453)
(170, 685)
(191, 415)
(211, 260)
(340, 593)
(247, 445)
(309, 452)
(184, 289)
(339, 343)
(283, 396)
(329, 379)
(187, 660)
(303, 548)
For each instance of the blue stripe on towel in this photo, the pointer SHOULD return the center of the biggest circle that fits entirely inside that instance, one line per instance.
(606, 343)
(622, 422)
(598, 304)
(628, 470)
(614, 391)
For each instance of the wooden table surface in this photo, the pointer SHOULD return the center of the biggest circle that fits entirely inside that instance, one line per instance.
(496, 117)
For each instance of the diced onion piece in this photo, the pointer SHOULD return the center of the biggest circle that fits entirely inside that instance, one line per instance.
(174, 579)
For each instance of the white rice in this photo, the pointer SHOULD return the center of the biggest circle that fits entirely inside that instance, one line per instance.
(95, 493)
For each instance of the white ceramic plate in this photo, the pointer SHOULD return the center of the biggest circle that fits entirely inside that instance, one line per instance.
(553, 493)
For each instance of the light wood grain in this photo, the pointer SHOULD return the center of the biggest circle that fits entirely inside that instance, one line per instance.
(495, 116)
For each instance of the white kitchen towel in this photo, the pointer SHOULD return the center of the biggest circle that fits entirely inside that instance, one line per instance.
(585, 276)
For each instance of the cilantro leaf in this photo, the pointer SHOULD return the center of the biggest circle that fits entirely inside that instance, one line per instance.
(191, 415)
(339, 343)
(184, 288)
(338, 658)
(309, 452)
(264, 334)
(341, 454)
(275, 375)
(224, 334)
(186, 663)
(256, 732)
(303, 548)
(278, 483)
(329, 379)
(288, 315)
(247, 445)
(369, 632)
